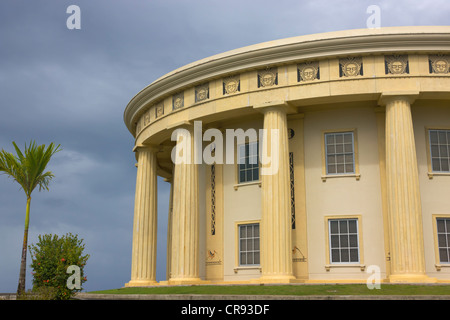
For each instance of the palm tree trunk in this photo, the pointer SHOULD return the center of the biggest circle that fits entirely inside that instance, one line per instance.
(23, 263)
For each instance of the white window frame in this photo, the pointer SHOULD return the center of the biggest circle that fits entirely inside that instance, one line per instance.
(252, 251)
(439, 145)
(348, 247)
(255, 166)
(343, 153)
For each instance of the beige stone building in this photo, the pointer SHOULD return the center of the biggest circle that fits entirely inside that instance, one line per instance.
(363, 180)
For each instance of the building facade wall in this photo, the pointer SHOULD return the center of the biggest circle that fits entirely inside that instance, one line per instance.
(368, 83)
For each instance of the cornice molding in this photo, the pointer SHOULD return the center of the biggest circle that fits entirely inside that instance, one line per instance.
(327, 45)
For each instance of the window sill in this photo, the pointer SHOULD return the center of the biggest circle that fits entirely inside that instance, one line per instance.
(432, 174)
(352, 175)
(440, 266)
(256, 267)
(244, 184)
(343, 265)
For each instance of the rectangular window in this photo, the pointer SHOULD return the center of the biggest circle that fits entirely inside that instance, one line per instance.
(339, 153)
(344, 246)
(248, 162)
(249, 244)
(440, 150)
(443, 235)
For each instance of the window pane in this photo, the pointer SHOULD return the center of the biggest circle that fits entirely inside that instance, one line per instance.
(330, 138)
(256, 244)
(443, 255)
(444, 165)
(349, 158)
(345, 257)
(248, 175)
(441, 225)
(334, 226)
(442, 240)
(442, 137)
(331, 168)
(256, 174)
(334, 241)
(349, 168)
(340, 168)
(335, 257)
(433, 137)
(331, 149)
(243, 258)
(435, 151)
(447, 224)
(331, 159)
(343, 226)
(339, 148)
(344, 241)
(436, 163)
(348, 138)
(250, 245)
(340, 158)
(352, 226)
(443, 151)
(348, 147)
(256, 258)
(353, 241)
(339, 138)
(256, 230)
(242, 232)
(354, 255)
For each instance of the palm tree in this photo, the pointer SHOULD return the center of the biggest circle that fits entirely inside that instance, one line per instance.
(28, 170)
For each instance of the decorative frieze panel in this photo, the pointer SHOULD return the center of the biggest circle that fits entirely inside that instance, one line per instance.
(147, 118)
(159, 110)
(439, 63)
(396, 64)
(351, 67)
(231, 85)
(267, 77)
(308, 71)
(178, 101)
(202, 92)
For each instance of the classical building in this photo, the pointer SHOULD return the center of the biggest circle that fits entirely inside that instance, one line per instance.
(363, 163)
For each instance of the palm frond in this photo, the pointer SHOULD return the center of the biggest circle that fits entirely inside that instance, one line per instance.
(27, 168)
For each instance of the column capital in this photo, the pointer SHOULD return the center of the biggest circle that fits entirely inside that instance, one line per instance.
(149, 147)
(180, 124)
(408, 96)
(278, 105)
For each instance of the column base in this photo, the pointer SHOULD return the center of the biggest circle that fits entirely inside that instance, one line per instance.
(186, 281)
(411, 278)
(141, 283)
(277, 279)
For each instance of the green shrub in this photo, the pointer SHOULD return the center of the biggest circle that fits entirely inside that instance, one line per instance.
(51, 256)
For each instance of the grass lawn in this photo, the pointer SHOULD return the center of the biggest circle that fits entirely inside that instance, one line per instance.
(337, 289)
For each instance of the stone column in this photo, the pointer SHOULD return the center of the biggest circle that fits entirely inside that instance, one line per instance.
(403, 194)
(276, 232)
(143, 263)
(169, 231)
(185, 216)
